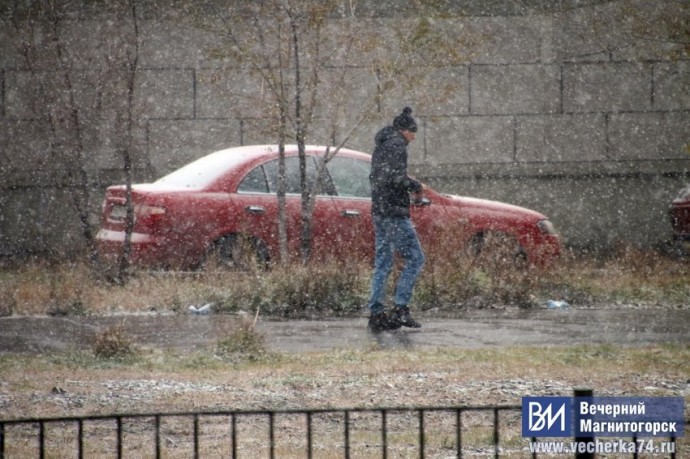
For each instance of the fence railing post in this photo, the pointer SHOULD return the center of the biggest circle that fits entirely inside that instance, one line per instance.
(384, 435)
(347, 434)
(421, 434)
(587, 453)
(458, 433)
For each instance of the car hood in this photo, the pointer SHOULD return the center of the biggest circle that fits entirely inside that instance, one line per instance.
(495, 206)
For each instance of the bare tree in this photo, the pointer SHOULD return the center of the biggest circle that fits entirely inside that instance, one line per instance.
(299, 19)
(73, 98)
(283, 43)
(271, 72)
(130, 65)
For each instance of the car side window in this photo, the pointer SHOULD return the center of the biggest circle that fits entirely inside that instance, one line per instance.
(292, 176)
(350, 177)
(254, 182)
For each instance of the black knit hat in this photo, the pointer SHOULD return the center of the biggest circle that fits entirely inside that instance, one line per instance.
(405, 122)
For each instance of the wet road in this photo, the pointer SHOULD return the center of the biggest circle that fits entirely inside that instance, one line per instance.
(482, 328)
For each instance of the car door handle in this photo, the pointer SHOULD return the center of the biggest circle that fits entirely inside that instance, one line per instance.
(350, 213)
(255, 209)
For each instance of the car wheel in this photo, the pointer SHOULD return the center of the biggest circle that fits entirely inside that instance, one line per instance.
(237, 253)
(493, 249)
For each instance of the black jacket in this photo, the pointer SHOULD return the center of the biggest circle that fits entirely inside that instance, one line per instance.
(390, 185)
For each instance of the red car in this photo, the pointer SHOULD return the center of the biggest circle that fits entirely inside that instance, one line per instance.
(208, 206)
(680, 219)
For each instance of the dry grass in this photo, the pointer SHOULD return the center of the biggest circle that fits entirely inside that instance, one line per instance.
(451, 279)
(238, 374)
(628, 275)
(113, 343)
(62, 385)
(295, 291)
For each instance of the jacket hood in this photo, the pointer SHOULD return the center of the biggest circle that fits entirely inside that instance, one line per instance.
(385, 134)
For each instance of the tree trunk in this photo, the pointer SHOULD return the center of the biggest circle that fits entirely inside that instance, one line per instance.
(131, 66)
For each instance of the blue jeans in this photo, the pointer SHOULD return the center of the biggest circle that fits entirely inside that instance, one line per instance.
(394, 234)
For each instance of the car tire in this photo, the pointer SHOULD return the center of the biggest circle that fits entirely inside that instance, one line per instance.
(236, 252)
(494, 249)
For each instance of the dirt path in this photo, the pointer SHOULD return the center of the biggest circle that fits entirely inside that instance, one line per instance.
(482, 328)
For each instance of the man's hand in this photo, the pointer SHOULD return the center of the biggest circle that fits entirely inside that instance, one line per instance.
(418, 197)
(420, 193)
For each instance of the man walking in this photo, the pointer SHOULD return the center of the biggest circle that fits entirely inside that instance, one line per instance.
(390, 208)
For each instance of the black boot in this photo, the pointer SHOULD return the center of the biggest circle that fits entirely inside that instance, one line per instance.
(401, 316)
(380, 322)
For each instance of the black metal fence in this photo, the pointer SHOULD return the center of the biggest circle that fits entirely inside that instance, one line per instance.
(492, 431)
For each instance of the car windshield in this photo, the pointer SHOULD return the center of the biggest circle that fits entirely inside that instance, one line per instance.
(202, 172)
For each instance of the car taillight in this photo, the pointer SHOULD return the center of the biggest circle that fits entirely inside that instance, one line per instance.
(117, 213)
(683, 195)
(546, 227)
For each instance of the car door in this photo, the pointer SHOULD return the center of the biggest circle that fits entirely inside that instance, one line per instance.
(256, 207)
(323, 224)
(354, 234)
(258, 192)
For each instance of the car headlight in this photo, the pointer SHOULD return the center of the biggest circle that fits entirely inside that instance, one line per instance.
(546, 227)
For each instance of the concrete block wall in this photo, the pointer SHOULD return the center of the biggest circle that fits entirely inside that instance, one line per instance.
(562, 109)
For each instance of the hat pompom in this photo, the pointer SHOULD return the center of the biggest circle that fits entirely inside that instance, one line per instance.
(407, 111)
